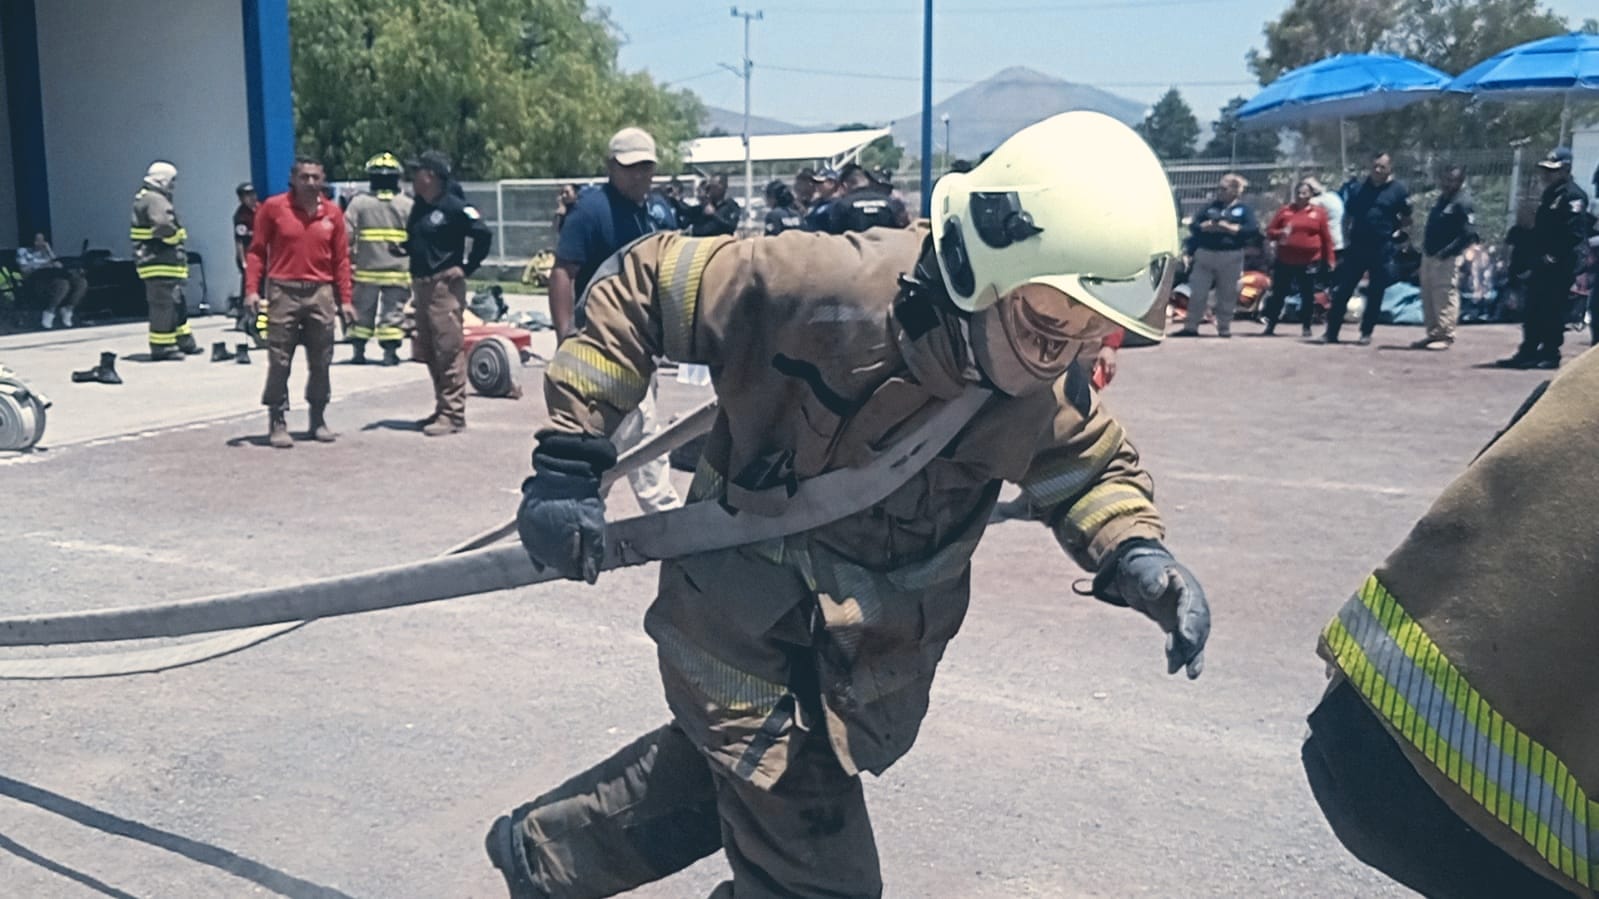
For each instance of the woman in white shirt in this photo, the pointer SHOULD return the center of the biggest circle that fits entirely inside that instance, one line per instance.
(44, 276)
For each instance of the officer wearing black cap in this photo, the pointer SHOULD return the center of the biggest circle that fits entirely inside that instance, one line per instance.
(782, 212)
(864, 204)
(437, 230)
(826, 192)
(243, 233)
(1559, 248)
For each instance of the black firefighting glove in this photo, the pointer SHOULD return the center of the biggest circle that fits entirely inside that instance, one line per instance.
(1142, 575)
(562, 518)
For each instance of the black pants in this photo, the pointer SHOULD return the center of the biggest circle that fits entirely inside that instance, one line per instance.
(1358, 261)
(1303, 280)
(1389, 818)
(1593, 304)
(1548, 304)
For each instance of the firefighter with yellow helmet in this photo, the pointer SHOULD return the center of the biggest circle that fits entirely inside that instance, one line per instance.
(793, 665)
(376, 219)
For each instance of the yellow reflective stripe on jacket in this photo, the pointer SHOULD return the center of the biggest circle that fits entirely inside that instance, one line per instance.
(142, 233)
(1403, 674)
(1102, 504)
(386, 278)
(682, 265)
(1061, 480)
(388, 235)
(596, 376)
(160, 270)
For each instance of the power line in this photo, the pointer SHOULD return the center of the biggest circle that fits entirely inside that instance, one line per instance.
(695, 77)
(883, 76)
(1033, 9)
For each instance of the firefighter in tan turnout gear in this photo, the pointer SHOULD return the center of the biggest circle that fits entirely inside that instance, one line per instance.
(376, 221)
(162, 263)
(793, 665)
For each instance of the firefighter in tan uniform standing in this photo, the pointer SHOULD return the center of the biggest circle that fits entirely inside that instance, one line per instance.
(162, 263)
(793, 665)
(376, 221)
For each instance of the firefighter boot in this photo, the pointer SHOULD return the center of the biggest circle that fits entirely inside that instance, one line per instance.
(278, 431)
(188, 347)
(104, 373)
(243, 355)
(360, 352)
(219, 352)
(320, 432)
(165, 354)
(391, 352)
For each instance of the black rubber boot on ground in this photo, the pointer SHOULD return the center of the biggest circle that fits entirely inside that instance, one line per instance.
(166, 354)
(219, 352)
(391, 353)
(360, 352)
(104, 373)
(243, 355)
(188, 347)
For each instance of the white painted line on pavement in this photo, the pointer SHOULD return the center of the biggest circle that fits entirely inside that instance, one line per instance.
(1287, 484)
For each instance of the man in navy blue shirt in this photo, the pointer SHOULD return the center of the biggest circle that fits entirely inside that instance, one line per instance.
(601, 222)
(1218, 235)
(1374, 216)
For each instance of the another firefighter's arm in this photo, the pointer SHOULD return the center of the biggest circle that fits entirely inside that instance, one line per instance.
(665, 296)
(255, 262)
(1086, 483)
(164, 222)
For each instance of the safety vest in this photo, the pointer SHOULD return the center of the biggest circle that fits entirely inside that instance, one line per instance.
(1474, 642)
(377, 230)
(157, 236)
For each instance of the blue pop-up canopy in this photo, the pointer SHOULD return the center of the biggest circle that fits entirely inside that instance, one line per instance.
(1558, 66)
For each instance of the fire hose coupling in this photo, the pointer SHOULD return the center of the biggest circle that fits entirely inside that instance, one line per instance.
(22, 413)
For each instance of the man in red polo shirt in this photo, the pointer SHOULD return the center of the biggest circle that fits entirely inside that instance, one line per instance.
(301, 246)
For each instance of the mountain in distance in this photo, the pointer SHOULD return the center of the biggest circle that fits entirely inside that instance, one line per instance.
(732, 123)
(984, 114)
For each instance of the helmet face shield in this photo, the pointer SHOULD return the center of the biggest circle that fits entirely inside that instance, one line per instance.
(1030, 336)
(1138, 303)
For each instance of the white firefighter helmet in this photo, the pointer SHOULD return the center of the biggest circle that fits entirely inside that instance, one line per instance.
(1077, 202)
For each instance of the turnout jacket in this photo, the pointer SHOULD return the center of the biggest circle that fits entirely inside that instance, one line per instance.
(1473, 643)
(376, 226)
(838, 630)
(157, 236)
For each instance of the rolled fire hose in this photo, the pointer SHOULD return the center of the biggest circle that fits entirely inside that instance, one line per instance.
(22, 413)
(146, 661)
(695, 528)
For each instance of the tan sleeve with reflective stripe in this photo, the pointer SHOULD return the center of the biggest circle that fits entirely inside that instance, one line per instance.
(1087, 483)
(645, 303)
(163, 220)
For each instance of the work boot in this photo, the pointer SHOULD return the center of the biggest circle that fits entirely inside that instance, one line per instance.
(66, 317)
(278, 430)
(320, 432)
(391, 355)
(360, 352)
(242, 356)
(1304, 331)
(219, 352)
(505, 852)
(166, 354)
(104, 373)
(190, 348)
(47, 321)
(442, 427)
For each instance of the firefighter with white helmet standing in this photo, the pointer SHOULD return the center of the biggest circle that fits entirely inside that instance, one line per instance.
(793, 665)
(162, 263)
(376, 221)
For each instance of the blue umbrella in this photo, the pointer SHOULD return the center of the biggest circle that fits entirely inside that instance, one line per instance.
(1553, 66)
(1349, 84)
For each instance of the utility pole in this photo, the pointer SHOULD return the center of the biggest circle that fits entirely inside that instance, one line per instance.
(949, 152)
(927, 108)
(749, 66)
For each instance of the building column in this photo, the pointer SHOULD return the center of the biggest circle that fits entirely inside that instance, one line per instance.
(269, 86)
(19, 34)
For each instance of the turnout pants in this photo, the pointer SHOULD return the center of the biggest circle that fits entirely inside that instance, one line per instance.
(1356, 262)
(651, 484)
(379, 310)
(1440, 295)
(658, 806)
(1220, 269)
(169, 316)
(1300, 279)
(439, 302)
(299, 312)
(1548, 303)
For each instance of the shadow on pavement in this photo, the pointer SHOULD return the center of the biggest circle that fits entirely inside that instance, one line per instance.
(394, 424)
(249, 440)
(204, 853)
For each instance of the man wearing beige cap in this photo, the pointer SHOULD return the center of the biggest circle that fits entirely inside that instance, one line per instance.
(604, 220)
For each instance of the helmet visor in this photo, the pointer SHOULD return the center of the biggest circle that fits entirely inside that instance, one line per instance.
(1137, 303)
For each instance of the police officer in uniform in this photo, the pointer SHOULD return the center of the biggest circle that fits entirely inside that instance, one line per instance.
(243, 232)
(863, 204)
(440, 224)
(162, 263)
(826, 192)
(1559, 246)
(782, 212)
(792, 666)
(376, 219)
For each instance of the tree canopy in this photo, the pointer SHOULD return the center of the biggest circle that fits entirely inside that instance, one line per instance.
(1171, 128)
(508, 88)
(1255, 145)
(1451, 35)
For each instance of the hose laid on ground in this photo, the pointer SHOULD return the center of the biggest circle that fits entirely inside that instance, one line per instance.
(22, 413)
(147, 661)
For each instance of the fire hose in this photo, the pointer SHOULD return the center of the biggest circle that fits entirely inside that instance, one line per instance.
(22, 412)
(696, 528)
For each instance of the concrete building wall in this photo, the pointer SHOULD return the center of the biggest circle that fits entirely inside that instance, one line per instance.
(127, 83)
(8, 197)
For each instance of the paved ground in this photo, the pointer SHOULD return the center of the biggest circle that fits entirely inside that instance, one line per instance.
(363, 757)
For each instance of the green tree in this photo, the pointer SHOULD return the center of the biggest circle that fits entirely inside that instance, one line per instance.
(1171, 128)
(509, 88)
(1451, 35)
(1254, 144)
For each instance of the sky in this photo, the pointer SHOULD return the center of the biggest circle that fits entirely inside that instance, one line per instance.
(1135, 48)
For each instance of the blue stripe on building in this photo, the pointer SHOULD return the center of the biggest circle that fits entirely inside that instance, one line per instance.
(269, 86)
(19, 35)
